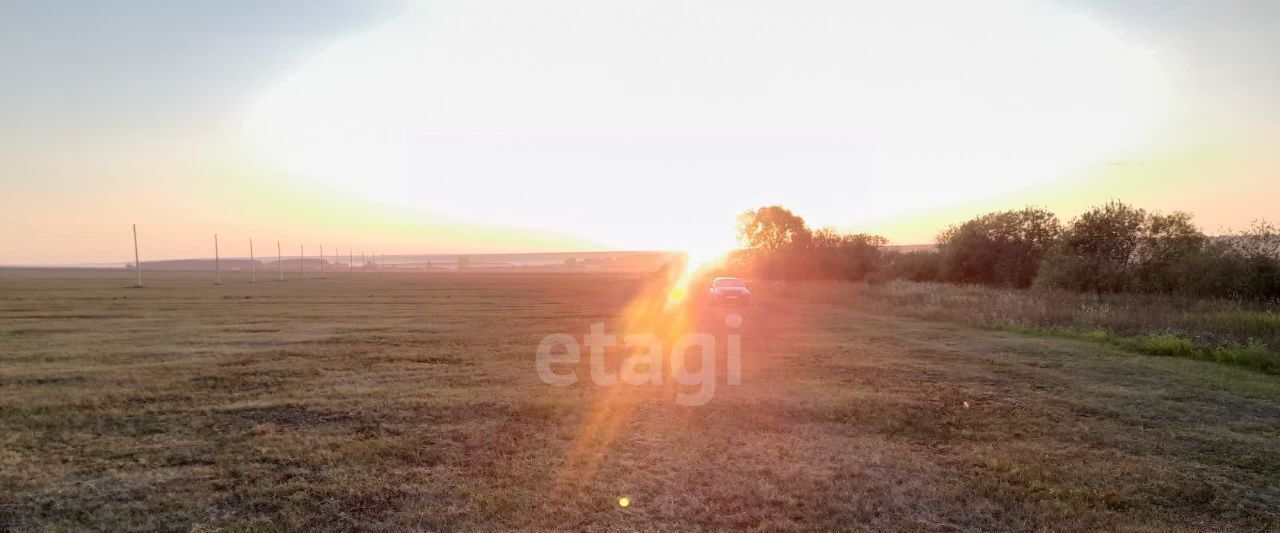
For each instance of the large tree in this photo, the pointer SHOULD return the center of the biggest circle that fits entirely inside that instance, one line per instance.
(771, 228)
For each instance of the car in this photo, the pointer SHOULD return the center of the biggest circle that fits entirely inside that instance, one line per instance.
(730, 290)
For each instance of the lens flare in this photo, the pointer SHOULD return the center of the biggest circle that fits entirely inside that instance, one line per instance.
(663, 307)
(693, 266)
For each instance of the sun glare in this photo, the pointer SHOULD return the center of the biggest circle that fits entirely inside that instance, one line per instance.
(694, 263)
(467, 111)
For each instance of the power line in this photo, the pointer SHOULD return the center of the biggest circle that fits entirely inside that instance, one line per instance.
(52, 233)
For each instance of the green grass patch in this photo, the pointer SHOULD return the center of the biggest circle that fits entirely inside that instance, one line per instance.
(1166, 344)
(1253, 355)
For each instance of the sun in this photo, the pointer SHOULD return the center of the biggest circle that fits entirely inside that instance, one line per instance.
(695, 263)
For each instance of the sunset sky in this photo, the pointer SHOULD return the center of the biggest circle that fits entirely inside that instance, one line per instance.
(507, 126)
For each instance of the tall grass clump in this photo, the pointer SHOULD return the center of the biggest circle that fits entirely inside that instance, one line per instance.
(1236, 332)
(1166, 344)
(1254, 355)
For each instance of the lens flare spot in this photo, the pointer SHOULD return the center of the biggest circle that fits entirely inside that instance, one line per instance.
(624, 502)
(679, 292)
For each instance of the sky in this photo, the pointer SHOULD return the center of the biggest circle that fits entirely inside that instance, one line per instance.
(562, 125)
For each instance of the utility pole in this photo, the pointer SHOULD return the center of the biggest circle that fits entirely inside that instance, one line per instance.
(351, 261)
(137, 265)
(363, 262)
(321, 261)
(337, 270)
(217, 261)
(302, 261)
(279, 260)
(253, 265)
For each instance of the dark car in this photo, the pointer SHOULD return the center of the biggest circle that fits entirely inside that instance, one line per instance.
(730, 290)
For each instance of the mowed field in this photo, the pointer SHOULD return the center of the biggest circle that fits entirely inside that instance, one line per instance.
(412, 402)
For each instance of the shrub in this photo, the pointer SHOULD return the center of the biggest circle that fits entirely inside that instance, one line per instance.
(1243, 265)
(1165, 246)
(1118, 248)
(911, 266)
(999, 249)
(852, 256)
(1096, 250)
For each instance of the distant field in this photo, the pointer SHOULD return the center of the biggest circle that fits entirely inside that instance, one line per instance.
(268, 264)
(410, 402)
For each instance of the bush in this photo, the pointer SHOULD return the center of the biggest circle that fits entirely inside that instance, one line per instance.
(1244, 265)
(1109, 249)
(1001, 249)
(911, 266)
(1096, 251)
(836, 255)
(1118, 248)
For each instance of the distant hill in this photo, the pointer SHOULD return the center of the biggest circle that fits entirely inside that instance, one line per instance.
(908, 248)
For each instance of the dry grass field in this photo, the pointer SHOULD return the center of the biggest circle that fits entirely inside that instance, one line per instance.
(411, 402)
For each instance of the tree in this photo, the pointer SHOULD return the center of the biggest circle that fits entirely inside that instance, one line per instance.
(1240, 265)
(853, 256)
(1003, 248)
(1097, 251)
(771, 228)
(1163, 257)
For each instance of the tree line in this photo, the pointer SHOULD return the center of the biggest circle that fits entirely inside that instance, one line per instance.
(1114, 247)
